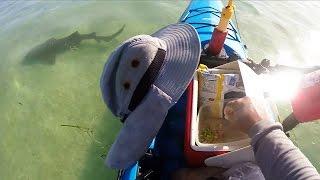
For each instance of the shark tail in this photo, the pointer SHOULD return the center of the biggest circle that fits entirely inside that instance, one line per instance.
(109, 38)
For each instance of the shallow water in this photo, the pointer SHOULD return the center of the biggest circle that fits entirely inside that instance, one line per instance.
(36, 99)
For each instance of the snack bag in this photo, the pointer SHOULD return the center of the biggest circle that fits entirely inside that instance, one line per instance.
(214, 87)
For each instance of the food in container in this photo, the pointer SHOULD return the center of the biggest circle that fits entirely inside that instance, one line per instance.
(215, 90)
(213, 129)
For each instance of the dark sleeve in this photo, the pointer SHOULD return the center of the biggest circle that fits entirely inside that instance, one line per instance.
(277, 156)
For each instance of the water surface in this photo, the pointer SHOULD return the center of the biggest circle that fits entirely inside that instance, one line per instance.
(54, 124)
(37, 98)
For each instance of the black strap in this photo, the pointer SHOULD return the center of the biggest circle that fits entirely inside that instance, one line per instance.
(147, 79)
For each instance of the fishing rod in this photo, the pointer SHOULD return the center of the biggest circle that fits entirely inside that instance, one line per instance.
(220, 32)
(265, 67)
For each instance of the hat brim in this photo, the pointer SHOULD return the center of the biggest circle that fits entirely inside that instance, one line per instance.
(142, 125)
(182, 58)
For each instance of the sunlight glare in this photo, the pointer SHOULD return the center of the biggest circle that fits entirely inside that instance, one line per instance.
(282, 85)
(310, 48)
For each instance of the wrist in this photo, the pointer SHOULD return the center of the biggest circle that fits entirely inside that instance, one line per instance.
(259, 127)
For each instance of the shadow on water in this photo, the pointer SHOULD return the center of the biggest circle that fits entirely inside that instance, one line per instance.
(104, 135)
(46, 52)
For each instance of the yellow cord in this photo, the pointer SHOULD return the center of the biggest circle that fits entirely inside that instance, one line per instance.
(218, 100)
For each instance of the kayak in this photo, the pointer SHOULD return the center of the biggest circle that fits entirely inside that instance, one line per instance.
(166, 152)
(204, 16)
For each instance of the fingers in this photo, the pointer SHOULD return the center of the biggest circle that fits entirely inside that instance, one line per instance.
(231, 110)
(228, 113)
(242, 114)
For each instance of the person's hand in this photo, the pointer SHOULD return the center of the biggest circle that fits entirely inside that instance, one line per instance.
(243, 113)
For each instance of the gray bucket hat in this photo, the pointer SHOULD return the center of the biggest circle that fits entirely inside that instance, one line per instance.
(142, 79)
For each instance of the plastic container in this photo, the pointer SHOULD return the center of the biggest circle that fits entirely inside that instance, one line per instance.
(212, 147)
(228, 152)
(213, 129)
(200, 154)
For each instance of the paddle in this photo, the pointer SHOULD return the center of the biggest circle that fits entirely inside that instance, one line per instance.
(290, 123)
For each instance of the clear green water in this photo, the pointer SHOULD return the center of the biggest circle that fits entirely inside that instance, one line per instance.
(36, 99)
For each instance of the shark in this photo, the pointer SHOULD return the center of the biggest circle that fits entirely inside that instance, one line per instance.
(45, 53)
